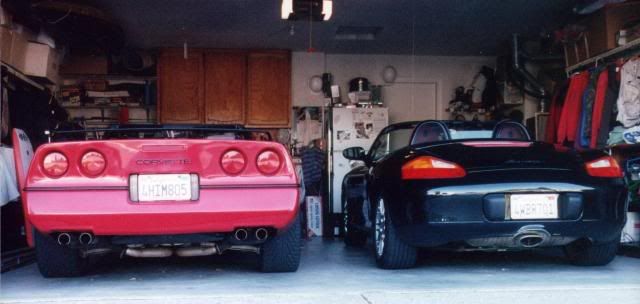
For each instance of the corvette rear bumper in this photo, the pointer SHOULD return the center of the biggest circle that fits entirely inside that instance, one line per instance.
(110, 212)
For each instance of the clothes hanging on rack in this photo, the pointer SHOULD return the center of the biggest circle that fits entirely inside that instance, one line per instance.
(629, 99)
(603, 110)
(570, 115)
(555, 109)
(586, 115)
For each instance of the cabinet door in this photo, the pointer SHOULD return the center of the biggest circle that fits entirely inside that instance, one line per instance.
(225, 83)
(269, 89)
(180, 87)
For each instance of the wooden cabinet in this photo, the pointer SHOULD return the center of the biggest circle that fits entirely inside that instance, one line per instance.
(225, 87)
(180, 87)
(225, 81)
(269, 89)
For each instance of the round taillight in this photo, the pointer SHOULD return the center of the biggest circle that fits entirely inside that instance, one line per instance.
(55, 164)
(268, 162)
(93, 163)
(233, 162)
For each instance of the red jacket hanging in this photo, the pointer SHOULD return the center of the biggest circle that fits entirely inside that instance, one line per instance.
(570, 116)
(554, 113)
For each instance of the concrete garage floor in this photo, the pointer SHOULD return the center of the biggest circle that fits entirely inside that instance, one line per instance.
(332, 273)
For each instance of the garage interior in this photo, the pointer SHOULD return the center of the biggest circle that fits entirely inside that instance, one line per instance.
(320, 76)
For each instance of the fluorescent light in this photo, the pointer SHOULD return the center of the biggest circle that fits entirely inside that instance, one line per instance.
(327, 9)
(287, 9)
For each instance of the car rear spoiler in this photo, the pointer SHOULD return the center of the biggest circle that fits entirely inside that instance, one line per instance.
(114, 131)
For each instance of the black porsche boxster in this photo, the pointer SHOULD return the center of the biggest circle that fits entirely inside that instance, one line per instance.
(480, 186)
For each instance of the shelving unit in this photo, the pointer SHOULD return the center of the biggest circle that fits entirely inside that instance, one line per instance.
(147, 108)
(107, 77)
(75, 109)
(621, 51)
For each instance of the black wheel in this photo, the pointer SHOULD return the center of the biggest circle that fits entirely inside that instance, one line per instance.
(282, 252)
(55, 260)
(390, 251)
(584, 253)
(352, 236)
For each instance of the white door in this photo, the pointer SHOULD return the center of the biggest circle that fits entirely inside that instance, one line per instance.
(411, 101)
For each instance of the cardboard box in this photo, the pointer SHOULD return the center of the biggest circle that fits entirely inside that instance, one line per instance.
(6, 43)
(314, 216)
(603, 25)
(87, 65)
(41, 61)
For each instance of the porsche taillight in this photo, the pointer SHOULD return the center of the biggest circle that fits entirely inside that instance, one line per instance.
(233, 162)
(429, 167)
(55, 164)
(268, 162)
(92, 163)
(604, 167)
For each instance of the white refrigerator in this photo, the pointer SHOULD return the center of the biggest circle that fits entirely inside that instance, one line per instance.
(350, 127)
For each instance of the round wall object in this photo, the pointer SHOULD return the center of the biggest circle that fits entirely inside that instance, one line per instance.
(389, 74)
(315, 84)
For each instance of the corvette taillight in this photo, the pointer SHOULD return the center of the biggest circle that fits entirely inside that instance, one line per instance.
(428, 167)
(268, 162)
(233, 162)
(55, 164)
(93, 163)
(604, 167)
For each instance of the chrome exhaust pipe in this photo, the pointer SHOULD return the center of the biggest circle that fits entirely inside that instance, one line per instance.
(531, 236)
(196, 251)
(148, 252)
(64, 239)
(262, 234)
(530, 241)
(241, 234)
(85, 238)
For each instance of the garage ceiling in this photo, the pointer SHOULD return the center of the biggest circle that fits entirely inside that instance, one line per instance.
(442, 27)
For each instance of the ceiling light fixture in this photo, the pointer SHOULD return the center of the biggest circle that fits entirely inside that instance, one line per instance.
(286, 9)
(316, 10)
(327, 9)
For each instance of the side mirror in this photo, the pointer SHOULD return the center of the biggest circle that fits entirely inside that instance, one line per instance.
(354, 153)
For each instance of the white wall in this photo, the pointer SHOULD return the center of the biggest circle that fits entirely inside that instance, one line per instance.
(446, 72)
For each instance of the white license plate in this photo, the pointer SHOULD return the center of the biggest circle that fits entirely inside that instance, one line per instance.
(533, 206)
(164, 187)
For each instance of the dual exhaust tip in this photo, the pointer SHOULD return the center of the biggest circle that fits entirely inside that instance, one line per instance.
(259, 234)
(66, 239)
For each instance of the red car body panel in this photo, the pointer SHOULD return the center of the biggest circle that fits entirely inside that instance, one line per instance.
(101, 204)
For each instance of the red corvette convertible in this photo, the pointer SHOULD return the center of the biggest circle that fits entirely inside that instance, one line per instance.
(158, 191)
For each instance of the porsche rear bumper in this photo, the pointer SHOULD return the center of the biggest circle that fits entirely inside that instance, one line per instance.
(110, 212)
(477, 214)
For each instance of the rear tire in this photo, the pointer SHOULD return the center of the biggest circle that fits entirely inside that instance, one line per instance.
(352, 236)
(583, 253)
(282, 252)
(55, 260)
(390, 251)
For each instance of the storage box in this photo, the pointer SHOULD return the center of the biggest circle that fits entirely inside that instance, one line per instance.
(87, 65)
(603, 25)
(314, 216)
(6, 43)
(14, 46)
(41, 61)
